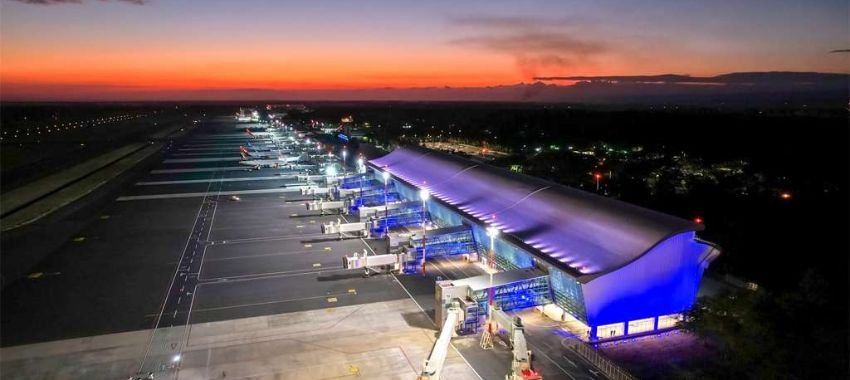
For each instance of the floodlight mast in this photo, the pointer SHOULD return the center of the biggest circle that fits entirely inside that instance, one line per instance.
(361, 170)
(344, 155)
(424, 194)
(386, 176)
(487, 337)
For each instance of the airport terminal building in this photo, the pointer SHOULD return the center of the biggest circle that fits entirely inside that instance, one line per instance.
(617, 268)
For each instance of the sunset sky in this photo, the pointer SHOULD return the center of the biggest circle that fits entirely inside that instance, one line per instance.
(111, 48)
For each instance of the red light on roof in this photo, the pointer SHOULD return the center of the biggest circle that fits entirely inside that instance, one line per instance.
(785, 195)
(698, 220)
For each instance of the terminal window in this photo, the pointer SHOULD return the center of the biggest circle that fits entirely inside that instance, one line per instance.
(668, 321)
(641, 325)
(610, 331)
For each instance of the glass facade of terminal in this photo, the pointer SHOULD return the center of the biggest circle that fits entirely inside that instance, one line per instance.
(508, 256)
(518, 295)
(567, 293)
(564, 290)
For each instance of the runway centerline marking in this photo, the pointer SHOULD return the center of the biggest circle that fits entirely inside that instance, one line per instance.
(203, 194)
(186, 181)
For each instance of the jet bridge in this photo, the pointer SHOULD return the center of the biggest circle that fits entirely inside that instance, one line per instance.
(514, 289)
(433, 366)
(315, 190)
(399, 218)
(357, 229)
(297, 166)
(351, 181)
(348, 181)
(358, 191)
(388, 262)
(384, 210)
(447, 241)
(338, 207)
(374, 200)
(515, 337)
(358, 181)
(307, 178)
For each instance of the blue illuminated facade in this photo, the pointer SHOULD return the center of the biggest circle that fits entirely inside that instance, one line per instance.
(397, 220)
(567, 293)
(664, 281)
(374, 200)
(358, 181)
(450, 241)
(618, 268)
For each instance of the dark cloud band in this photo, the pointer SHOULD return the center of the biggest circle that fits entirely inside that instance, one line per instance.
(57, 2)
(534, 43)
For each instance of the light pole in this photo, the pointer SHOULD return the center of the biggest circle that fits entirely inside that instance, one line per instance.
(386, 176)
(597, 177)
(492, 232)
(361, 170)
(329, 162)
(344, 155)
(424, 194)
(487, 337)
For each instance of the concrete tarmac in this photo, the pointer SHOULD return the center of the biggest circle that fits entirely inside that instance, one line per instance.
(114, 273)
(172, 251)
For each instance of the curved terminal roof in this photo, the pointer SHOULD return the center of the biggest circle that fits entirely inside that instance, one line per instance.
(584, 233)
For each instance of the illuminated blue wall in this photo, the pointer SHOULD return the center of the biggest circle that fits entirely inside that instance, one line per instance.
(663, 281)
